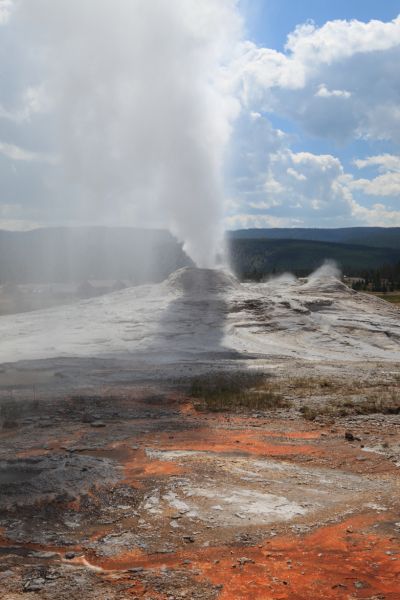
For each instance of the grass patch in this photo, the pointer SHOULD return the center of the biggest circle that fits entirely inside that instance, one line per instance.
(218, 392)
(387, 404)
(9, 414)
(392, 297)
(309, 412)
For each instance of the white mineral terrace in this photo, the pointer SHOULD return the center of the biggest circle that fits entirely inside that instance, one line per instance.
(197, 311)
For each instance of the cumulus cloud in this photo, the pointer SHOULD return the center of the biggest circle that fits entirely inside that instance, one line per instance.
(385, 184)
(340, 39)
(306, 189)
(339, 81)
(307, 185)
(256, 221)
(323, 92)
(160, 114)
(253, 142)
(378, 215)
(385, 162)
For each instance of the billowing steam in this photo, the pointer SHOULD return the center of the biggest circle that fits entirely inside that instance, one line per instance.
(140, 110)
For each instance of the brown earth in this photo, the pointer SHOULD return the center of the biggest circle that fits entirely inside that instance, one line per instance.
(133, 492)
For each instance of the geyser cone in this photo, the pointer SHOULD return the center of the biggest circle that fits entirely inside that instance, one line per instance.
(193, 280)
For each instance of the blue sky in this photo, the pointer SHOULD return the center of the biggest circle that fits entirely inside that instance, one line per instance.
(334, 117)
(269, 21)
(200, 115)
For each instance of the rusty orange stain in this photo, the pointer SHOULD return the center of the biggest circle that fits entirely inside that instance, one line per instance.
(297, 435)
(137, 465)
(244, 441)
(32, 452)
(142, 467)
(326, 564)
(322, 565)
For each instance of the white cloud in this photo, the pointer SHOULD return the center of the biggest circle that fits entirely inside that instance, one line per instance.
(249, 221)
(302, 188)
(293, 173)
(339, 39)
(141, 140)
(378, 215)
(311, 185)
(385, 184)
(311, 50)
(34, 100)
(5, 10)
(323, 92)
(18, 224)
(14, 152)
(12, 218)
(385, 162)
(264, 205)
(339, 81)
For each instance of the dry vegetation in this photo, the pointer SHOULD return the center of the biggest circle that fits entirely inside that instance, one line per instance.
(236, 391)
(313, 397)
(333, 398)
(387, 404)
(392, 297)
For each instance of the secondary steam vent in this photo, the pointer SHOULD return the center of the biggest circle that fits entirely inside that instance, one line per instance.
(191, 280)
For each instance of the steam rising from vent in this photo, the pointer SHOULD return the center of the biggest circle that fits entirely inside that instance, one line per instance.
(137, 91)
(327, 271)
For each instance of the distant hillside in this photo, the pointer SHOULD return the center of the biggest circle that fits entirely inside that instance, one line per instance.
(379, 237)
(64, 255)
(255, 258)
(75, 255)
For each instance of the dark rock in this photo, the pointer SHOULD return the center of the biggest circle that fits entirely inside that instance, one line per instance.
(87, 418)
(34, 585)
(189, 539)
(350, 437)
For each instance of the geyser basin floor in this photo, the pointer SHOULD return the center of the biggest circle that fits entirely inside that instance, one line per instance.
(114, 486)
(156, 500)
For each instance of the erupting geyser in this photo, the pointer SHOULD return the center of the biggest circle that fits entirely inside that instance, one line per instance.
(141, 108)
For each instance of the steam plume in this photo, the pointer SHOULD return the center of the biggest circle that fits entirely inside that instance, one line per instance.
(136, 88)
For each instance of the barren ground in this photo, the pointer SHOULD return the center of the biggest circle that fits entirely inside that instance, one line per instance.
(133, 491)
(118, 481)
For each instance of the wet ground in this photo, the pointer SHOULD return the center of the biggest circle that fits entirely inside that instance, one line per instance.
(130, 491)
